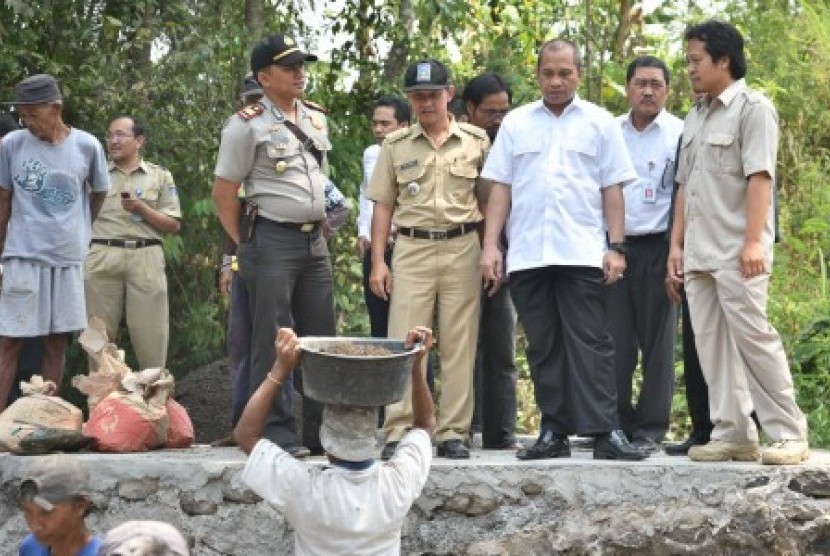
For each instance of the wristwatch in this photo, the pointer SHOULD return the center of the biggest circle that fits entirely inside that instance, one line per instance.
(618, 246)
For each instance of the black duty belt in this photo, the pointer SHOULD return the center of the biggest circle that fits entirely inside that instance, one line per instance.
(437, 235)
(645, 237)
(305, 227)
(128, 243)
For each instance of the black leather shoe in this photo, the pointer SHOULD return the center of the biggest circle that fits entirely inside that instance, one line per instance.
(682, 449)
(453, 449)
(388, 450)
(616, 446)
(548, 445)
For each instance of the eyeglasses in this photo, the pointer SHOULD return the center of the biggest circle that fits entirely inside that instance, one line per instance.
(643, 84)
(493, 113)
(118, 136)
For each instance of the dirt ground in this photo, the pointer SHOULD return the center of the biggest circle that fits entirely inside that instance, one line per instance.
(206, 394)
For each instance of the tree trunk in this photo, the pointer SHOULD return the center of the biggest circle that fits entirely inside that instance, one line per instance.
(395, 63)
(254, 22)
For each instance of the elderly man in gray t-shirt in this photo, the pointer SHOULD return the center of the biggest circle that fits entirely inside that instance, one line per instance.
(53, 180)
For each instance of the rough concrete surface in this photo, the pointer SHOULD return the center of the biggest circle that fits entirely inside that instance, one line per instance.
(490, 505)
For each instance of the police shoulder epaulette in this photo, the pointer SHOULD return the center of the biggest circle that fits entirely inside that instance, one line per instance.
(397, 135)
(314, 106)
(252, 111)
(474, 130)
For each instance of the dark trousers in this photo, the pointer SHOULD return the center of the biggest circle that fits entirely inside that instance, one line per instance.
(287, 275)
(643, 320)
(570, 351)
(697, 394)
(377, 307)
(495, 371)
(239, 346)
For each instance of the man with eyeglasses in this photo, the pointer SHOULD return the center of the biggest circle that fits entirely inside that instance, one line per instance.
(487, 99)
(278, 149)
(640, 315)
(124, 272)
(53, 180)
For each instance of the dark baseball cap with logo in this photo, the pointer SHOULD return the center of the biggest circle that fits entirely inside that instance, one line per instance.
(426, 75)
(278, 49)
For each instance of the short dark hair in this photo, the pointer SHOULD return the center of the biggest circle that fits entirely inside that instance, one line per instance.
(457, 107)
(559, 44)
(647, 62)
(722, 40)
(139, 129)
(485, 85)
(7, 124)
(403, 113)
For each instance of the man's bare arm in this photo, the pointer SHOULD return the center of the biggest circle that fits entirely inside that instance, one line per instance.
(227, 206)
(96, 201)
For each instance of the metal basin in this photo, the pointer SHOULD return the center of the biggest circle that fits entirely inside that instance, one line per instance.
(355, 379)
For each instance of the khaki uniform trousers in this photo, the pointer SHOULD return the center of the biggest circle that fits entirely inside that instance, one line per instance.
(445, 275)
(119, 280)
(742, 358)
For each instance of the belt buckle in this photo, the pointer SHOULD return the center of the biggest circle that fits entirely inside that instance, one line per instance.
(131, 244)
(307, 227)
(436, 235)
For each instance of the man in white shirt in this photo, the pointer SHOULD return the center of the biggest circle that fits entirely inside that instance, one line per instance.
(641, 317)
(389, 113)
(558, 165)
(355, 505)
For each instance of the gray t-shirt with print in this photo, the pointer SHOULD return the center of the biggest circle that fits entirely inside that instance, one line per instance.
(50, 219)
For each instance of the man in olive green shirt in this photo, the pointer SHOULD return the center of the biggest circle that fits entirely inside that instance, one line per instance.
(721, 251)
(124, 271)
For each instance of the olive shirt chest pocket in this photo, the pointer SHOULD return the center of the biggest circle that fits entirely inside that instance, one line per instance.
(722, 153)
(411, 176)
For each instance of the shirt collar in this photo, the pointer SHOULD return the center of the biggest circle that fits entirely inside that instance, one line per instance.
(454, 129)
(729, 94)
(353, 465)
(141, 166)
(576, 104)
(659, 121)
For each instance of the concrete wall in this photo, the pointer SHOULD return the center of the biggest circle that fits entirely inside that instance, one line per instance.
(489, 505)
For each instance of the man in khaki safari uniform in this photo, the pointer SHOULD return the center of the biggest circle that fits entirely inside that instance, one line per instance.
(425, 182)
(124, 271)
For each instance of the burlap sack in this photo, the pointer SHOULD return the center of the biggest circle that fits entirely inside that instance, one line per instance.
(38, 409)
(108, 360)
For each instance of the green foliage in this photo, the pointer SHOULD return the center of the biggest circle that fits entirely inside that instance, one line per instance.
(178, 66)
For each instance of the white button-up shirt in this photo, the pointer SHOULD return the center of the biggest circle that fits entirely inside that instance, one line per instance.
(556, 167)
(653, 151)
(364, 205)
(340, 511)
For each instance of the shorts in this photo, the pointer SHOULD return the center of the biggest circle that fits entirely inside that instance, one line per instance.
(38, 300)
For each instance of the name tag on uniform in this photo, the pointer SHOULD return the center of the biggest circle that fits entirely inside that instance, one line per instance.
(408, 165)
(649, 191)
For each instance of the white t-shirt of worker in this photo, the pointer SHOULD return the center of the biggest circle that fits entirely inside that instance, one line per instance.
(340, 511)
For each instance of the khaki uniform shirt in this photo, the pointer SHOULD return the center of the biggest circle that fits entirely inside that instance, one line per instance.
(431, 188)
(152, 184)
(279, 173)
(724, 143)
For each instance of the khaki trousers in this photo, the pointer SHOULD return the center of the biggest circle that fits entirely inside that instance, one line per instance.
(444, 274)
(118, 280)
(742, 358)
